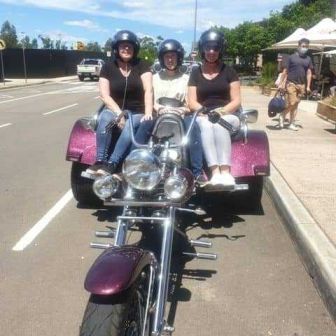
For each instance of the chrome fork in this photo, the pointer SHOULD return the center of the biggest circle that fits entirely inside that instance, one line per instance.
(121, 233)
(163, 276)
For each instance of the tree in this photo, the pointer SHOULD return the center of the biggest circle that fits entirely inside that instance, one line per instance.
(108, 45)
(249, 38)
(47, 43)
(8, 34)
(34, 44)
(25, 42)
(93, 46)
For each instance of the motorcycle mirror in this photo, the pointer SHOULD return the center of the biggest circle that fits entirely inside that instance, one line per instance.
(250, 115)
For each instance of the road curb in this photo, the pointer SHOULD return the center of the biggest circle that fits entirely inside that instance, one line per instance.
(46, 81)
(317, 251)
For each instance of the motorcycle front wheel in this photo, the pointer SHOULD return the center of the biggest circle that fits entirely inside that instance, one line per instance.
(117, 315)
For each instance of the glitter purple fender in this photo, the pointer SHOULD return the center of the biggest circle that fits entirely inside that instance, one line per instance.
(248, 159)
(116, 269)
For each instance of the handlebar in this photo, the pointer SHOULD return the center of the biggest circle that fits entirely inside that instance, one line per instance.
(216, 117)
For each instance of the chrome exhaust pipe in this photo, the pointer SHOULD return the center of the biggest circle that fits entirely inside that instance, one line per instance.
(199, 255)
(200, 243)
(105, 234)
(100, 245)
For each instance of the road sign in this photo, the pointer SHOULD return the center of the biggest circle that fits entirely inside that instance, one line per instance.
(80, 45)
(2, 45)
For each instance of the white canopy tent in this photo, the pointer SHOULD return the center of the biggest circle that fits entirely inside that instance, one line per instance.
(321, 36)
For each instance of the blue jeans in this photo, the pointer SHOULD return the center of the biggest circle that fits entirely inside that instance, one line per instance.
(104, 138)
(195, 142)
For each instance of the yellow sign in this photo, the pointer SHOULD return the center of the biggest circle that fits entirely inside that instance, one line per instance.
(2, 45)
(80, 45)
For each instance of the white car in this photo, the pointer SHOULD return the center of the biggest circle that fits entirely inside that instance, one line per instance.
(89, 67)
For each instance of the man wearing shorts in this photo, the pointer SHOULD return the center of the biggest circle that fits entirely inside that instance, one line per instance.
(296, 77)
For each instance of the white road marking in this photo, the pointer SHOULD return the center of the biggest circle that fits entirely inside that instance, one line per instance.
(42, 223)
(25, 97)
(60, 109)
(4, 125)
(2, 96)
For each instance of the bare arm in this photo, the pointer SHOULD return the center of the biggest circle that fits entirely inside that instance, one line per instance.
(147, 82)
(283, 79)
(192, 99)
(104, 89)
(309, 78)
(235, 101)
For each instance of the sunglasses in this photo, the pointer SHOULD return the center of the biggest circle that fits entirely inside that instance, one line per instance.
(214, 47)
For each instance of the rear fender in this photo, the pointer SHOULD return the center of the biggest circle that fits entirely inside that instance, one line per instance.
(116, 269)
(251, 158)
(82, 143)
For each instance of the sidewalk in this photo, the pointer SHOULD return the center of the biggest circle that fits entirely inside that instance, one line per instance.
(20, 82)
(303, 187)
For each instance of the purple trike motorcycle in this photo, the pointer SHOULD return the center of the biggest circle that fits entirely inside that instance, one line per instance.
(129, 283)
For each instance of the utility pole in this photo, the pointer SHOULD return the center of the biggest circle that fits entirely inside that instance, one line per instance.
(195, 25)
(24, 56)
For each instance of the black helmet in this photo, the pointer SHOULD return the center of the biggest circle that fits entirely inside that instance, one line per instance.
(125, 36)
(171, 45)
(276, 105)
(211, 36)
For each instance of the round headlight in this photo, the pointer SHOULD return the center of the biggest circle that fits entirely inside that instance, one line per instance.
(104, 187)
(175, 187)
(142, 169)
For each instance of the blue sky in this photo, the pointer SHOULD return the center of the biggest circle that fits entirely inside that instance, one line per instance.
(97, 20)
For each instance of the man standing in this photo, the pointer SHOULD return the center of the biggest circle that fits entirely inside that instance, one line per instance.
(296, 76)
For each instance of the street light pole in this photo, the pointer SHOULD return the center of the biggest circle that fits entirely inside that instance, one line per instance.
(195, 24)
(24, 57)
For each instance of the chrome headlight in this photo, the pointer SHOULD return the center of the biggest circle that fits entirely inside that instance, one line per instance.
(104, 187)
(142, 169)
(176, 187)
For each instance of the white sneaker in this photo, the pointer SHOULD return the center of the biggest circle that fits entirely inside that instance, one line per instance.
(293, 127)
(227, 179)
(215, 179)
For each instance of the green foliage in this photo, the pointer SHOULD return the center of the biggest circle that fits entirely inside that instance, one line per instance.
(248, 39)
(148, 48)
(8, 34)
(108, 45)
(268, 74)
(34, 44)
(333, 101)
(93, 46)
(47, 43)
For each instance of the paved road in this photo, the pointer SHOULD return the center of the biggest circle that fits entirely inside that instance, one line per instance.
(258, 285)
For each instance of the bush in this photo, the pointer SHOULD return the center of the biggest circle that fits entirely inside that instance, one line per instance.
(269, 74)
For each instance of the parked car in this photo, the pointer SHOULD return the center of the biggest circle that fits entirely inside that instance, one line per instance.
(89, 67)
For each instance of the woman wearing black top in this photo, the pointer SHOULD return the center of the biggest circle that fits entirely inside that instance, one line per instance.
(215, 83)
(124, 84)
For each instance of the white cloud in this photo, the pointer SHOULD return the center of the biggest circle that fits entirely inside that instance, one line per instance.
(85, 24)
(134, 4)
(177, 14)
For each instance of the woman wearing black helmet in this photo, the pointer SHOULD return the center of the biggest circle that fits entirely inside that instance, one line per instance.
(124, 84)
(209, 84)
(172, 83)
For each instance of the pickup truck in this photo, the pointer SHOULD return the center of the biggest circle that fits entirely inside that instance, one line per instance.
(89, 67)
